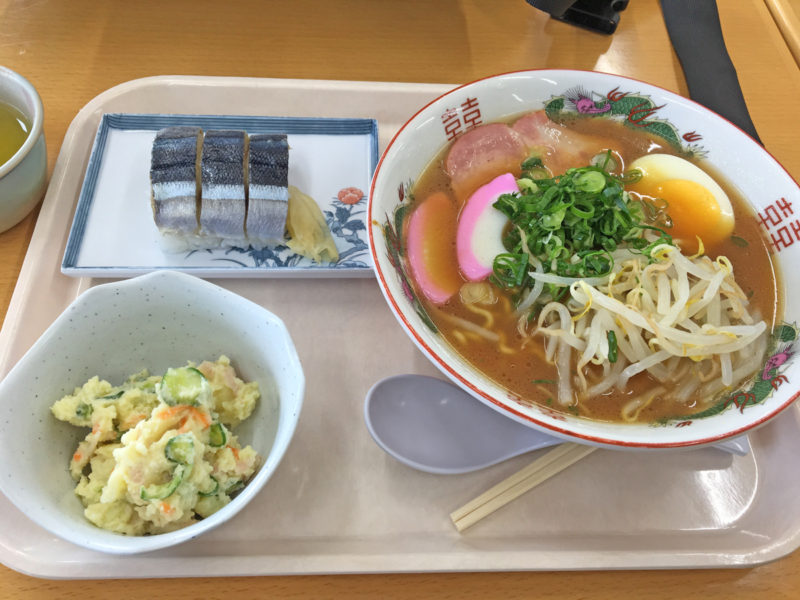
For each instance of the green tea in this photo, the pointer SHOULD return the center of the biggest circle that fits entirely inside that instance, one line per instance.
(14, 129)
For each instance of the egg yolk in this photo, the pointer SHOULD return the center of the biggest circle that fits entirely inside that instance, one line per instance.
(694, 212)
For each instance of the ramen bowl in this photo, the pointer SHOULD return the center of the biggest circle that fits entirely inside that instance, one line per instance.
(154, 322)
(682, 125)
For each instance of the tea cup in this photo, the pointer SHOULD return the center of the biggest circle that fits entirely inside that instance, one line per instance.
(23, 177)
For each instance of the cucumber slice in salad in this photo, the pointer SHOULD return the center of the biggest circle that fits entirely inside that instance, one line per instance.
(159, 491)
(217, 436)
(180, 449)
(214, 489)
(183, 385)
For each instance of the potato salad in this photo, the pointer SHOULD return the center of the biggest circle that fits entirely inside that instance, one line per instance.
(161, 453)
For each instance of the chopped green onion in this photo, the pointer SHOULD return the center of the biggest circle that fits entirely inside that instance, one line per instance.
(538, 173)
(612, 346)
(582, 210)
(532, 163)
(571, 223)
(590, 181)
(740, 241)
(509, 269)
(605, 161)
(632, 176)
(527, 185)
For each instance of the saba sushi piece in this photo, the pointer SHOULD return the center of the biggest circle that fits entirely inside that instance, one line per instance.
(225, 188)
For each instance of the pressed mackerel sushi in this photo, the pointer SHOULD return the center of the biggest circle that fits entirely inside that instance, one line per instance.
(222, 198)
(174, 185)
(226, 188)
(268, 193)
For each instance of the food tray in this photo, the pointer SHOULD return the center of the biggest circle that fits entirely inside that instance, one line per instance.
(339, 504)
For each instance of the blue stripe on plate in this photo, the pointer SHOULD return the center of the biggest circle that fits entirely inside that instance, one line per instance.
(252, 124)
(85, 199)
(373, 150)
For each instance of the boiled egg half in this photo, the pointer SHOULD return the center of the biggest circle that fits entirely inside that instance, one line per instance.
(696, 204)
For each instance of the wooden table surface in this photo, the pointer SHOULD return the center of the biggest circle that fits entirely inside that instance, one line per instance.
(72, 51)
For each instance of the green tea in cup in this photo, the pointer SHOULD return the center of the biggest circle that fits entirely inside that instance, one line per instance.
(14, 130)
(23, 153)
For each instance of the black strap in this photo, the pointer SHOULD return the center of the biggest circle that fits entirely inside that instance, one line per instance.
(696, 34)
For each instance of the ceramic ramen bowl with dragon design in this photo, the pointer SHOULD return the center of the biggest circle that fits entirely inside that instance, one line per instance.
(675, 333)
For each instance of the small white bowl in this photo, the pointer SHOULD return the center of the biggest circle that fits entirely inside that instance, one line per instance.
(770, 189)
(23, 177)
(154, 321)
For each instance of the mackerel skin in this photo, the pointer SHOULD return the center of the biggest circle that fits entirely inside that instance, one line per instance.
(222, 202)
(173, 178)
(268, 203)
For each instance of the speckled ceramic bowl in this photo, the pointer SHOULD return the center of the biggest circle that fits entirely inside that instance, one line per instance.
(681, 123)
(155, 321)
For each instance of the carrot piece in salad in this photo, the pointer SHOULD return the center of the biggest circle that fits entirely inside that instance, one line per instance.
(193, 413)
(168, 412)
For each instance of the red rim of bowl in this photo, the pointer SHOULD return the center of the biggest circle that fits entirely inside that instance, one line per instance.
(444, 366)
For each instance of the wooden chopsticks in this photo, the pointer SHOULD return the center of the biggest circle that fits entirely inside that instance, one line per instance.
(788, 21)
(541, 469)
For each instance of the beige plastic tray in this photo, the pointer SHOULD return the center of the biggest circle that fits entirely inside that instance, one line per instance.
(337, 503)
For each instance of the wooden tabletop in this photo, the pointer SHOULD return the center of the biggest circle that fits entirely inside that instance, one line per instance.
(72, 51)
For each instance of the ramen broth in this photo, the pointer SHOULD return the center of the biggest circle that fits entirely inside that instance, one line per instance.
(517, 363)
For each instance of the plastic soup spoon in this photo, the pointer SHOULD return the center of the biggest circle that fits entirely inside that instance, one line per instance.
(433, 426)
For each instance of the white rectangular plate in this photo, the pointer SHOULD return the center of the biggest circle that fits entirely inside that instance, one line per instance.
(113, 233)
(338, 503)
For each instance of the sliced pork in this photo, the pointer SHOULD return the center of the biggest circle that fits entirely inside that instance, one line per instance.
(480, 155)
(559, 148)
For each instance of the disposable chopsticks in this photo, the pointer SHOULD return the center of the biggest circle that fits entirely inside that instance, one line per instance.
(541, 469)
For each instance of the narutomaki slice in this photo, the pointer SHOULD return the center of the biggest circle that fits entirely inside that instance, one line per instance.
(432, 248)
(480, 228)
